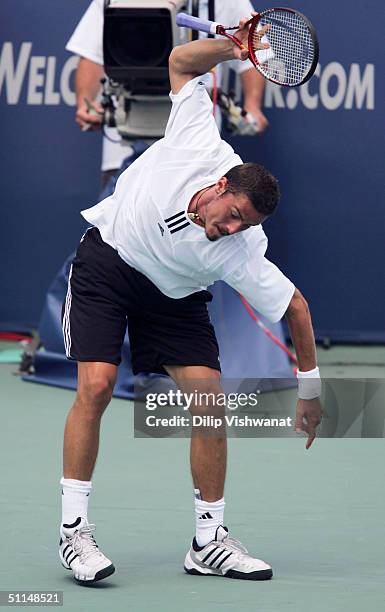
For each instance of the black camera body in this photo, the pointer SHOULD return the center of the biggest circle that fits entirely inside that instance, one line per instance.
(138, 38)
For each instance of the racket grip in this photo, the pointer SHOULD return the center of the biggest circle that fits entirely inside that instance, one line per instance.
(194, 23)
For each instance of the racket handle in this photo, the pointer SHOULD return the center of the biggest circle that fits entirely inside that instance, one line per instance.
(194, 23)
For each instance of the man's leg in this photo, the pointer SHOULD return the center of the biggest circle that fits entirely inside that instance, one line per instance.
(207, 453)
(208, 450)
(78, 550)
(212, 552)
(81, 437)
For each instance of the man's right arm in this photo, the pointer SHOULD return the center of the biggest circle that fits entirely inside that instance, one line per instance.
(87, 86)
(196, 58)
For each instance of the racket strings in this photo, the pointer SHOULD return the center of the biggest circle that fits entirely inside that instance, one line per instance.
(291, 50)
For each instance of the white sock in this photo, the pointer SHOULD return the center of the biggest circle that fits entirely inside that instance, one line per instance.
(75, 495)
(208, 517)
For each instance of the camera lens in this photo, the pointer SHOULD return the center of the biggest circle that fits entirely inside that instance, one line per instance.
(143, 41)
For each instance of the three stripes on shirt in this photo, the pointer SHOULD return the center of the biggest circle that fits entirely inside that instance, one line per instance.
(177, 222)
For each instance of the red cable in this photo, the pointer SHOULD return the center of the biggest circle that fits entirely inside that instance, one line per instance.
(267, 331)
(215, 91)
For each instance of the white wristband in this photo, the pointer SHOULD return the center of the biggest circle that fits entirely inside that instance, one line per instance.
(309, 384)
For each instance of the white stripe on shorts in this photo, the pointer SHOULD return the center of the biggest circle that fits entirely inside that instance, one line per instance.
(66, 318)
(66, 325)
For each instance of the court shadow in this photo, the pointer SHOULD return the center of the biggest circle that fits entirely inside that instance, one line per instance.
(94, 585)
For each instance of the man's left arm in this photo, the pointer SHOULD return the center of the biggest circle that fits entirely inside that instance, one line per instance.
(309, 411)
(253, 86)
(252, 82)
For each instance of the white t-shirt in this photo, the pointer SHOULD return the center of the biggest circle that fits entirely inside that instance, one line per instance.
(146, 221)
(87, 41)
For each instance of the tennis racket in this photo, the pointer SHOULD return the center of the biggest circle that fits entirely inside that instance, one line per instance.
(292, 56)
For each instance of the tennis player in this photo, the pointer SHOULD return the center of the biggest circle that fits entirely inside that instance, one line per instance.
(188, 212)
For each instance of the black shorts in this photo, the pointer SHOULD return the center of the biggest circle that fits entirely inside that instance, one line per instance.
(106, 296)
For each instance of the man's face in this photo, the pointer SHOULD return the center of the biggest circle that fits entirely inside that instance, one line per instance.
(228, 213)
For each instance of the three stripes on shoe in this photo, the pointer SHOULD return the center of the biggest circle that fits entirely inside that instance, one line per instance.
(216, 561)
(68, 552)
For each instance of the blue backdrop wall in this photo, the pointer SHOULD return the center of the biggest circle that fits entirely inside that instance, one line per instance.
(323, 143)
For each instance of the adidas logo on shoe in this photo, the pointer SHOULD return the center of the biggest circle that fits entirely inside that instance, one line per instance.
(227, 557)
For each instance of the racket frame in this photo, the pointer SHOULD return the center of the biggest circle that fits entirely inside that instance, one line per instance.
(253, 23)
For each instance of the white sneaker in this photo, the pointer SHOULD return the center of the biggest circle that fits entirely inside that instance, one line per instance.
(79, 552)
(226, 557)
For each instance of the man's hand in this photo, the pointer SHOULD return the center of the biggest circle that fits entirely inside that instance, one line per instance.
(200, 56)
(89, 115)
(309, 415)
(258, 115)
(253, 86)
(243, 34)
(87, 85)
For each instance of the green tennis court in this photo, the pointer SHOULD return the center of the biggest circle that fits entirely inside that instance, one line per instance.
(316, 516)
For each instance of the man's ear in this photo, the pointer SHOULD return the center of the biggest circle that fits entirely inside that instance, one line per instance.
(221, 186)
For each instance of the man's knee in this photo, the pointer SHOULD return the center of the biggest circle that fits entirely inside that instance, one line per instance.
(202, 385)
(188, 377)
(96, 383)
(95, 394)
(208, 398)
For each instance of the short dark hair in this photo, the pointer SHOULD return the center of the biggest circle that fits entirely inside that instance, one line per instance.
(257, 183)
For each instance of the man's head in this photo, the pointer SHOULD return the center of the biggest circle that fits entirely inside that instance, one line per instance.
(245, 196)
